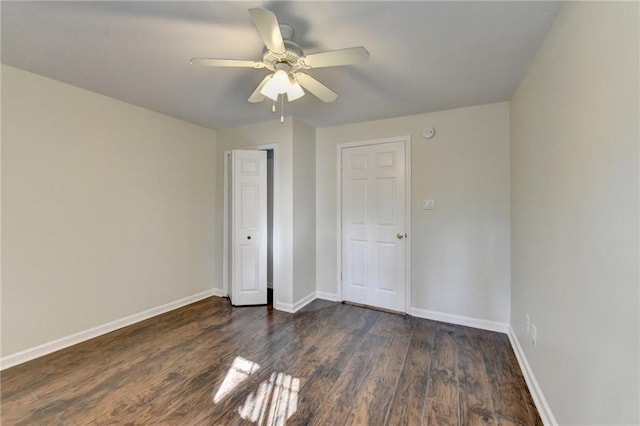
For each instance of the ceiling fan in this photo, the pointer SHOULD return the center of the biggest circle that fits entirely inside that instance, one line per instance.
(285, 58)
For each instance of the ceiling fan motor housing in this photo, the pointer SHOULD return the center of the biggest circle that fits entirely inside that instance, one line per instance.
(291, 56)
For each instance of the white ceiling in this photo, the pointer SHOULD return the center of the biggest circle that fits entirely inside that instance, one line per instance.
(425, 56)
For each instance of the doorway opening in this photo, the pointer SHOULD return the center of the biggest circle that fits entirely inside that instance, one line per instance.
(265, 282)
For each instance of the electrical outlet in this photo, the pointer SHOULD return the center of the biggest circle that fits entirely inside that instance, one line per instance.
(534, 334)
(527, 321)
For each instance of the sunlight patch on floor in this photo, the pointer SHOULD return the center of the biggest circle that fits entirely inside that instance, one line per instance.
(272, 403)
(276, 398)
(240, 369)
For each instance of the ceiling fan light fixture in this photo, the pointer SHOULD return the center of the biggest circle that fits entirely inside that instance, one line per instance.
(286, 58)
(294, 91)
(278, 84)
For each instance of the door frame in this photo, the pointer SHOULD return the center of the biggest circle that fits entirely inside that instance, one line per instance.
(407, 197)
(225, 217)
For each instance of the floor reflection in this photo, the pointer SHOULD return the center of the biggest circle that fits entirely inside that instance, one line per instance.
(277, 399)
(272, 403)
(240, 369)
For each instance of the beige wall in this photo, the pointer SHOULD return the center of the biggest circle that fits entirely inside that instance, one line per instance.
(304, 211)
(460, 250)
(574, 168)
(108, 210)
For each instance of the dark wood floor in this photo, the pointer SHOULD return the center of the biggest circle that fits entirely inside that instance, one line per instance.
(329, 364)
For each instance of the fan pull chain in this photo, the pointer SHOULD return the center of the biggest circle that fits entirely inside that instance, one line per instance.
(282, 109)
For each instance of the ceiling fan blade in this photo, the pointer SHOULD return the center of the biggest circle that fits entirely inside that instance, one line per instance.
(334, 58)
(316, 88)
(256, 96)
(267, 24)
(207, 62)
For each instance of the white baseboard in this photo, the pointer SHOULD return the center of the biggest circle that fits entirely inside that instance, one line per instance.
(304, 301)
(295, 307)
(64, 342)
(218, 292)
(332, 297)
(285, 307)
(460, 320)
(538, 397)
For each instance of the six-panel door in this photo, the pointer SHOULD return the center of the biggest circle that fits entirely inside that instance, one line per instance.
(373, 225)
(249, 227)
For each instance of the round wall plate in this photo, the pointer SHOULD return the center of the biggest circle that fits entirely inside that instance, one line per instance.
(428, 132)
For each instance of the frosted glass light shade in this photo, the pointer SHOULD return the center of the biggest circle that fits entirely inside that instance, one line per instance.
(278, 84)
(294, 91)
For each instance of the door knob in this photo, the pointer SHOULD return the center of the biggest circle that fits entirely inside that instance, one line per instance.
(400, 235)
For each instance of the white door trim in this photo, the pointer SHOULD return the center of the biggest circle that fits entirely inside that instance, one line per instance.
(225, 218)
(407, 154)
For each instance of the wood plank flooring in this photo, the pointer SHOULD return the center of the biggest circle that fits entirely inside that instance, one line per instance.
(329, 364)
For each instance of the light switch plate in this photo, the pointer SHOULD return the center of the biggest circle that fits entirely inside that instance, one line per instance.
(428, 204)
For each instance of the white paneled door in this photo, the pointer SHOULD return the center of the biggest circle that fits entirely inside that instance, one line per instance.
(248, 236)
(373, 225)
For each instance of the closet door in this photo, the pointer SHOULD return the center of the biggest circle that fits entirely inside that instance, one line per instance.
(248, 236)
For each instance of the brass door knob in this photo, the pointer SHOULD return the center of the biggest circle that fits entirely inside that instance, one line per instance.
(400, 235)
